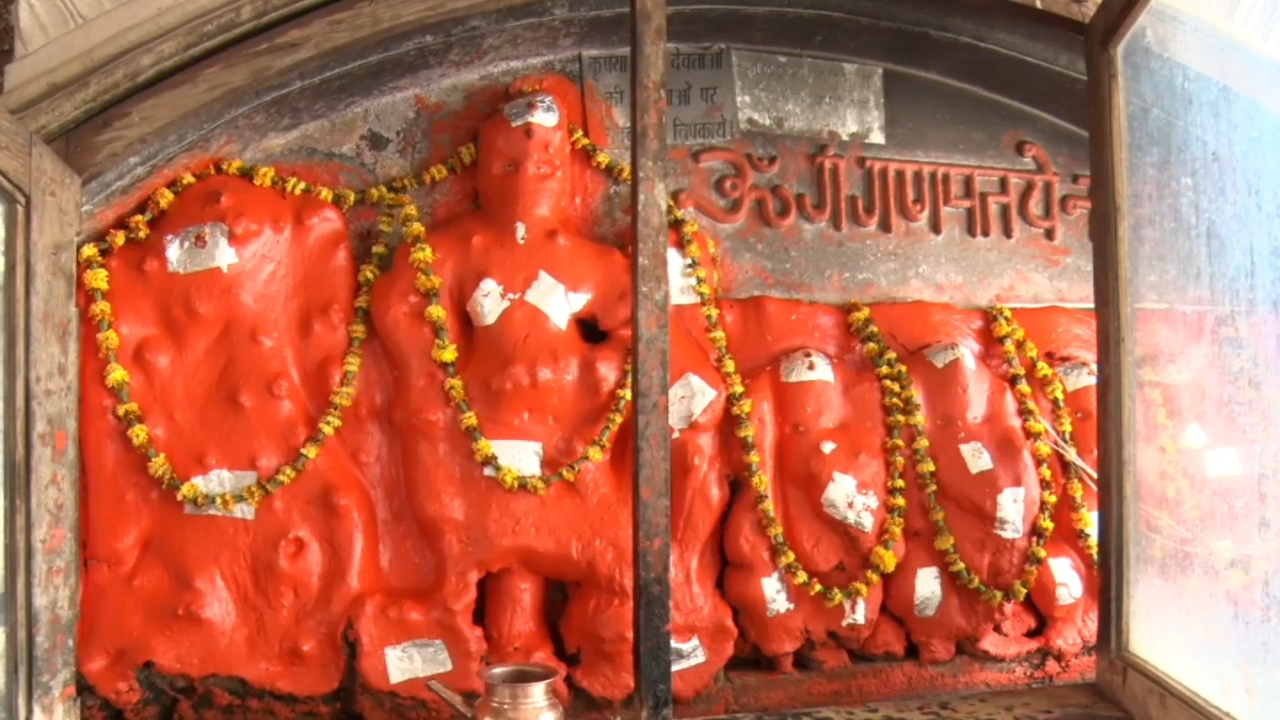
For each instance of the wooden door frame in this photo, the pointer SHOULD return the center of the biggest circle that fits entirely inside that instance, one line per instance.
(41, 418)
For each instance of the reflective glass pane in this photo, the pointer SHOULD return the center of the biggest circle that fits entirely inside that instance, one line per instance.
(1202, 214)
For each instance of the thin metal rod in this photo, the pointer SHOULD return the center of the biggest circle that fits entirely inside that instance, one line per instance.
(652, 497)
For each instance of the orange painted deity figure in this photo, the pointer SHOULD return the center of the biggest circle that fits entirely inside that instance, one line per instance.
(1066, 591)
(986, 480)
(232, 321)
(541, 319)
(821, 435)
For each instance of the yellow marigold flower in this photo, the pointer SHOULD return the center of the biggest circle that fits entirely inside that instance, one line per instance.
(883, 560)
(158, 467)
(482, 450)
(1041, 450)
(800, 577)
(858, 589)
(467, 154)
(915, 420)
(744, 431)
(116, 238)
(784, 558)
(1045, 473)
(728, 366)
(344, 198)
(89, 254)
(108, 342)
(873, 578)
(128, 411)
(330, 423)
(1082, 521)
(421, 256)
(138, 228)
(309, 450)
(190, 492)
(1034, 428)
(469, 420)
(342, 397)
(116, 377)
(873, 349)
(508, 478)
(368, 274)
(436, 314)
(1044, 524)
(427, 283)
(1000, 329)
(718, 338)
(351, 362)
(944, 542)
(264, 176)
(1075, 489)
(1063, 424)
(894, 502)
(1018, 592)
(233, 167)
(1037, 552)
(100, 311)
(286, 474)
(816, 588)
(455, 389)
(925, 467)
(163, 198)
(225, 502)
(96, 279)
(1091, 547)
(438, 173)
(594, 453)
(444, 352)
(253, 495)
(773, 530)
(691, 251)
(1043, 371)
(569, 473)
(742, 408)
(898, 463)
(323, 193)
(1022, 390)
(139, 436)
(623, 394)
(735, 386)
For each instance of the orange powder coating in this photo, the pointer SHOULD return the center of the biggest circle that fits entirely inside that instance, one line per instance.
(391, 532)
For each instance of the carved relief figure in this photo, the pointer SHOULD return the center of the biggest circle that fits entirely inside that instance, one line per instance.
(1066, 592)
(703, 631)
(986, 483)
(821, 434)
(541, 319)
(230, 393)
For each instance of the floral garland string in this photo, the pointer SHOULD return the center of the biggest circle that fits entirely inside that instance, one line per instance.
(1016, 346)
(882, 558)
(96, 279)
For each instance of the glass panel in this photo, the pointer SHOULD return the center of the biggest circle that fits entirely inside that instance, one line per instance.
(1202, 208)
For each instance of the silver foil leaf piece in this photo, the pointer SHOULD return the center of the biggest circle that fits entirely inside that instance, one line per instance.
(216, 482)
(417, 659)
(777, 600)
(685, 655)
(928, 595)
(537, 109)
(199, 248)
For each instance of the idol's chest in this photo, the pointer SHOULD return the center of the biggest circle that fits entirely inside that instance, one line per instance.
(497, 291)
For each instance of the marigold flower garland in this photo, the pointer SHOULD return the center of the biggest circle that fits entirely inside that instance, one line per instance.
(137, 228)
(882, 559)
(1014, 341)
(445, 354)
